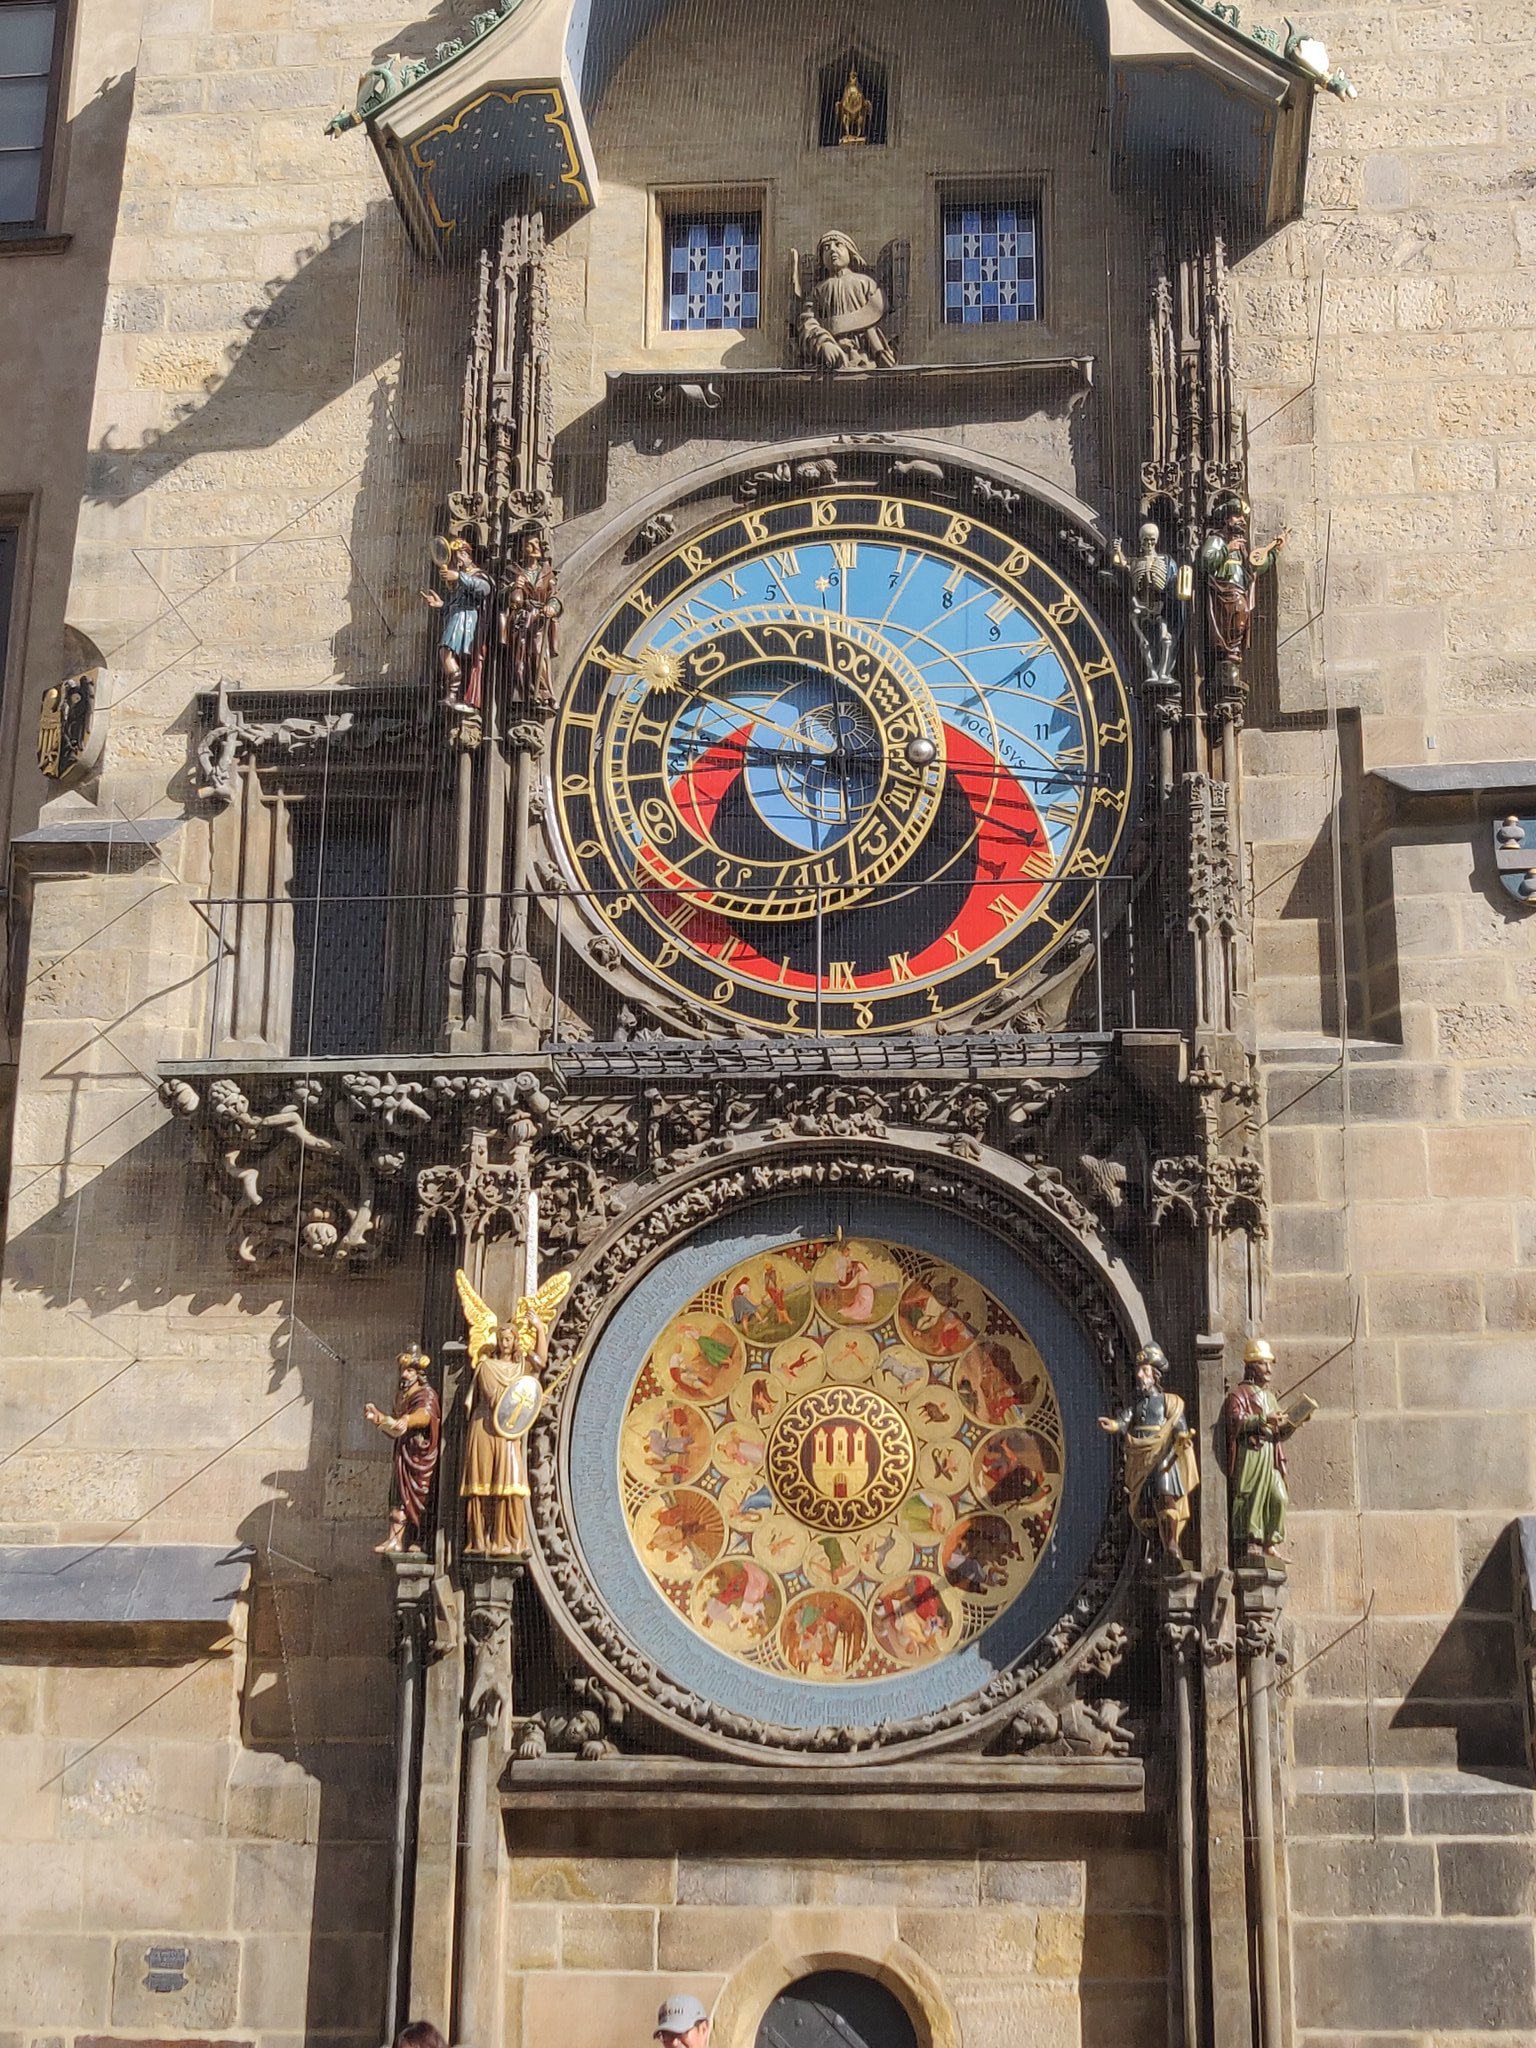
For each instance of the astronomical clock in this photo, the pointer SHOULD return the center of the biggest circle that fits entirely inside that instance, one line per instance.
(841, 763)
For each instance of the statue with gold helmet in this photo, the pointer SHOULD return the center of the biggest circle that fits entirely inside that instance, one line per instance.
(1256, 1430)
(506, 1394)
(1161, 1473)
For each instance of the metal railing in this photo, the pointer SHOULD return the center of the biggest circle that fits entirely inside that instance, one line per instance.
(356, 974)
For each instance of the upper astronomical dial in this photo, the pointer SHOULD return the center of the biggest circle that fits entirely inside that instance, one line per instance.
(853, 760)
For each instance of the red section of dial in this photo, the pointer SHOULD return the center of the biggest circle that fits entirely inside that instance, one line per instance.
(1009, 850)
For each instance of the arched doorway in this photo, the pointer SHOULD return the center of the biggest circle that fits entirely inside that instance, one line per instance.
(836, 2009)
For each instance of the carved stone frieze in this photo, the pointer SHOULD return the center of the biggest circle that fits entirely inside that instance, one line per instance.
(344, 1167)
(314, 1168)
(1212, 1192)
(233, 736)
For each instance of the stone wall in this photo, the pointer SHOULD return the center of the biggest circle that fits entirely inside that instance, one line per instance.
(991, 1953)
(254, 504)
(1403, 1179)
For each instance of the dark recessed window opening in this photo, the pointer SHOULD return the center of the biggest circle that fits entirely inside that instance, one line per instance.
(340, 927)
(991, 263)
(836, 2009)
(31, 33)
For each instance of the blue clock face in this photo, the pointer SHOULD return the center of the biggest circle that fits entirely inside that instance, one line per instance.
(855, 754)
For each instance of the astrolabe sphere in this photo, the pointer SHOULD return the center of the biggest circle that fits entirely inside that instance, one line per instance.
(841, 1460)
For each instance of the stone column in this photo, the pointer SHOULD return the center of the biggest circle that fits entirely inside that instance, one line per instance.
(490, 1586)
(1178, 1602)
(1260, 1597)
(412, 1573)
(521, 979)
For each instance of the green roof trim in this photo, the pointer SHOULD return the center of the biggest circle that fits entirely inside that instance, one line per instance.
(394, 76)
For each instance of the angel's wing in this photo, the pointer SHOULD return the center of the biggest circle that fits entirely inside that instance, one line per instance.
(547, 1301)
(893, 270)
(482, 1320)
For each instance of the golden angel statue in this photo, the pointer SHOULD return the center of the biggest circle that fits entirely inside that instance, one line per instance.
(506, 1392)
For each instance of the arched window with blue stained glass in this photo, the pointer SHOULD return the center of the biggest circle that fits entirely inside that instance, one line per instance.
(713, 269)
(991, 263)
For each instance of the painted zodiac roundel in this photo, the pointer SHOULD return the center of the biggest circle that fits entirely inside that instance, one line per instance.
(841, 1460)
(846, 762)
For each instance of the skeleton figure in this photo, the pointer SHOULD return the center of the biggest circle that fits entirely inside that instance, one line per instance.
(1152, 576)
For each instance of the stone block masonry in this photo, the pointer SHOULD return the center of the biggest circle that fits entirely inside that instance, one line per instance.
(1068, 1951)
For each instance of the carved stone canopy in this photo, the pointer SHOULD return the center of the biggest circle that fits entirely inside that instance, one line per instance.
(508, 99)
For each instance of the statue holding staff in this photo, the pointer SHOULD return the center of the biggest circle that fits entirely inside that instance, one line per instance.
(1256, 1430)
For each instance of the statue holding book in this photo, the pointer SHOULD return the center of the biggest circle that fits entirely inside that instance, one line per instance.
(1256, 1429)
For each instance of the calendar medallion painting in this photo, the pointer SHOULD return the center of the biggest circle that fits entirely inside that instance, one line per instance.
(841, 1460)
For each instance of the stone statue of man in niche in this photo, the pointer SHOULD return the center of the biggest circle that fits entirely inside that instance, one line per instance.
(839, 320)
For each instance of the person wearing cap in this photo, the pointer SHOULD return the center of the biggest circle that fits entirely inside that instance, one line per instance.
(1160, 1468)
(1255, 1430)
(683, 2022)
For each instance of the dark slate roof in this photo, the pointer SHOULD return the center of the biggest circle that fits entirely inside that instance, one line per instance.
(124, 1585)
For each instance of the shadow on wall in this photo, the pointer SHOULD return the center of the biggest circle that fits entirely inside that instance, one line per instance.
(306, 347)
(1468, 1682)
(205, 1392)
